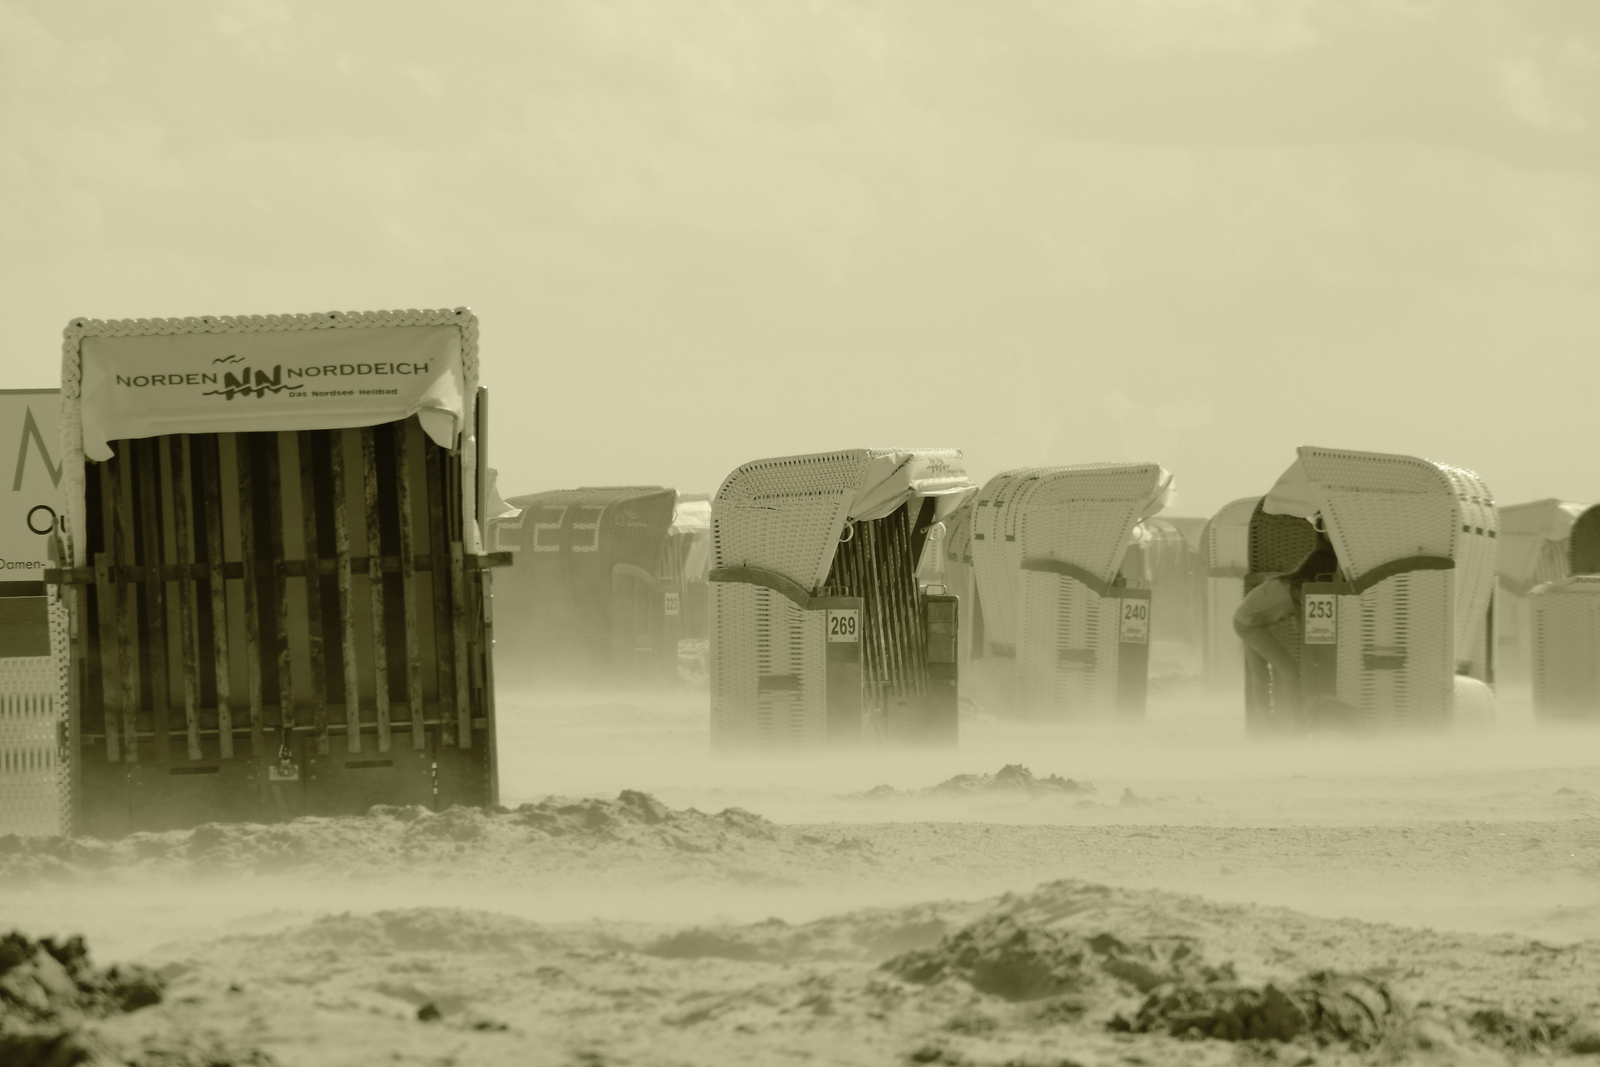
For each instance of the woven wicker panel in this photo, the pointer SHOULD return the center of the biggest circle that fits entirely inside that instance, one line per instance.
(1066, 663)
(1081, 515)
(1407, 615)
(30, 763)
(1278, 543)
(1226, 541)
(1585, 542)
(758, 634)
(997, 555)
(1379, 508)
(1566, 648)
(786, 514)
(1476, 556)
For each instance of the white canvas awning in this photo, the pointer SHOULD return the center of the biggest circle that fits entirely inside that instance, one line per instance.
(147, 385)
(894, 477)
(1293, 494)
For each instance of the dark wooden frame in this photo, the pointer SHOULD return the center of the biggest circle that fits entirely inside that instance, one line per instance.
(181, 720)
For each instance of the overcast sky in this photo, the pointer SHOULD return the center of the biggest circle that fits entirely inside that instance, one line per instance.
(1199, 232)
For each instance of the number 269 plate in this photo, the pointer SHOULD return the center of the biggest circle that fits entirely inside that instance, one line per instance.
(844, 625)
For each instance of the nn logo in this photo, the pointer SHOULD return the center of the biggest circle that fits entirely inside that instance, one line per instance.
(241, 384)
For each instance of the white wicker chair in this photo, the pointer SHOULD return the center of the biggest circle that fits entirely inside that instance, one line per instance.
(1566, 660)
(1535, 539)
(1417, 543)
(1048, 544)
(32, 777)
(1226, 548)
(776, 528)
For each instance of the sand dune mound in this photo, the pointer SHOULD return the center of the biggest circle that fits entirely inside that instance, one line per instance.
(1013, 780)
(633, 827)
(1113, 975)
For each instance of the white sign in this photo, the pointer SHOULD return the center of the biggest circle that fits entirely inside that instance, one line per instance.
(30, 444)
(844, 625)
(1135, 622)
(149, 385)
(672, 603)
(1322, 619)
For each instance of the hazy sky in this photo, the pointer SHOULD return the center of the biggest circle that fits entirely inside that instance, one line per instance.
(1199, 232)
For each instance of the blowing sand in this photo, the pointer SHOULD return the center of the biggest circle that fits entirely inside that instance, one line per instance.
(1168, 893)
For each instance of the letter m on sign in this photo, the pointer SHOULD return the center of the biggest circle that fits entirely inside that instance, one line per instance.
(30, 432)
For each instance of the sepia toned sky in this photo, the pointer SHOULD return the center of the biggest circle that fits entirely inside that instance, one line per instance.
(1199, 232)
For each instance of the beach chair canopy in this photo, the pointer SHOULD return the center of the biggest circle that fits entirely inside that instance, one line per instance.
(1533, 542)
(1080, 518)
(1389, 514)
(785, 516)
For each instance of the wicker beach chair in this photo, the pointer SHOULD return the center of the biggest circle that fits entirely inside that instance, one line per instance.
(1565, 621)
(1535, 544)
(1416, 542)
(586, 601)
(819, 631)
(1048, 545)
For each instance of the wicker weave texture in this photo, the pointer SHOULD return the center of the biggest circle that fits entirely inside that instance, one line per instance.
(1226, 542)
(758, 634)
(786, 514)
(1067, 653)
(1566, 648)
(1400, 669)
(31, 772)
(1081, 515)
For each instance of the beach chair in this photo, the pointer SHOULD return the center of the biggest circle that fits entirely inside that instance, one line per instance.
(1566, 630)
(1535, 548)
(1048, 545)
(820, 633)
(588, 600)
(273, 567)
(1416, 542)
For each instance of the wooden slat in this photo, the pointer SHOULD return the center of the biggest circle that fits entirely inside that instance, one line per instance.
(444, 631)
(380, 648)
(454, 481)
(107, 594)
(288, 717)
(317, 653)
(153, 650)
(347, 609)
(408, 580)
(458, 590)
(188, 630)
(210, 448)
(243, 445)
(120, 492)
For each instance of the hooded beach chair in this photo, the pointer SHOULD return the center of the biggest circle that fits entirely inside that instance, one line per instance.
(819, 632)
(1566, 629)
(1409, 614)
(273, 567)
(1535, 548)
(1048, 545)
